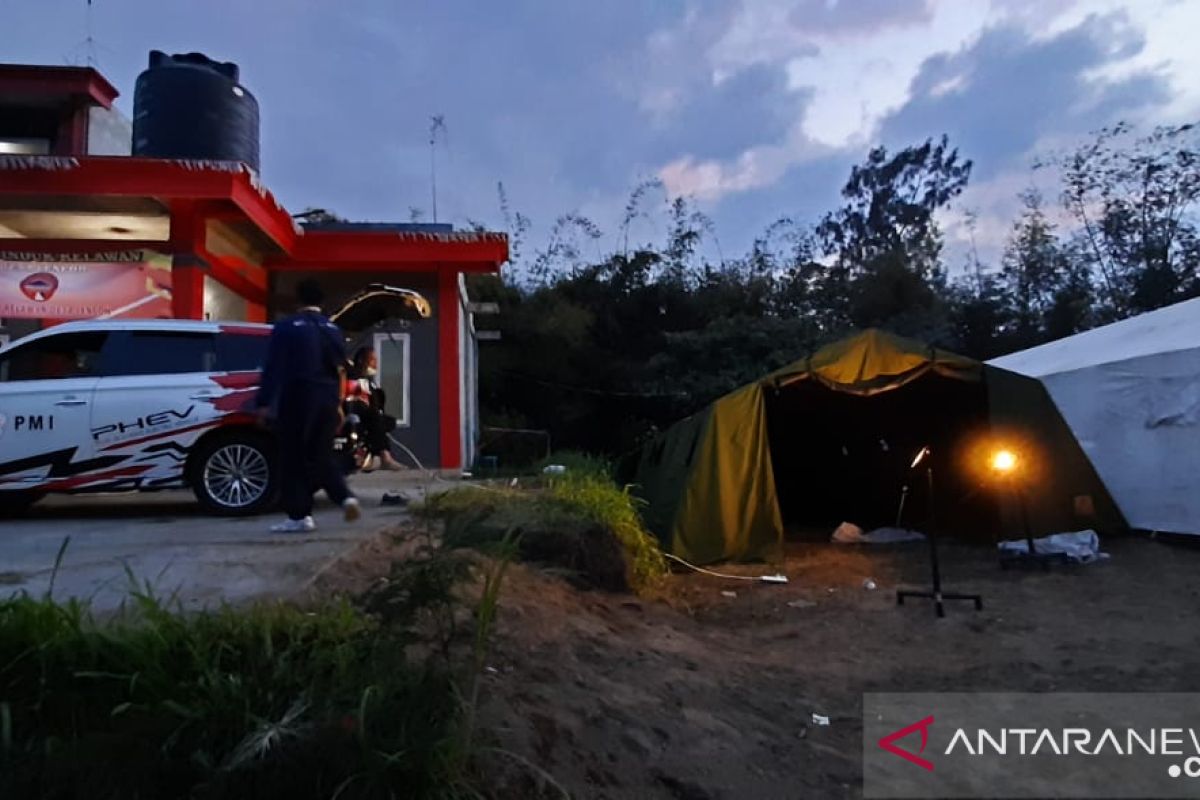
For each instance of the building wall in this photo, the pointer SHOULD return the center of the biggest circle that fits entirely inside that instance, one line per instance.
(221, 302)
(109, 133)
(421, 435)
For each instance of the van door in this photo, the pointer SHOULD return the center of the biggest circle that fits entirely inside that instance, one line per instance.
(155, 400)
(47, 387)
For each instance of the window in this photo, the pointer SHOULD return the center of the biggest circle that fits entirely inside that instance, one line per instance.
(67, 355)
(10, 145)
(161, 353)
(241, 352)
(392, 350)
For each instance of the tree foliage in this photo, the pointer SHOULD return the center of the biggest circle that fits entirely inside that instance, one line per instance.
(1133, 199)
(602, 344)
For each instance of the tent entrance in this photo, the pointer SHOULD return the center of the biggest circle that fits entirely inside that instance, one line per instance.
(840, 457)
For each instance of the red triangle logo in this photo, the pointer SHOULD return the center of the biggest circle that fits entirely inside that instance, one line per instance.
(888, 742)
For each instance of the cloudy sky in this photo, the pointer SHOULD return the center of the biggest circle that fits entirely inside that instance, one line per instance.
(755, 109)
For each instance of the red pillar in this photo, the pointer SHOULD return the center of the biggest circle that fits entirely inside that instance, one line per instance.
(255, 312)
(72, 135)
(187, 292)
(187, 273)
(449, 416)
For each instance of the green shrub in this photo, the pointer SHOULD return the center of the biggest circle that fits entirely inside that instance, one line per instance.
(579, 519)
(270, 701)
(599, 499)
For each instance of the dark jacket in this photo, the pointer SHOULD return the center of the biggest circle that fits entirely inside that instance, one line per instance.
(304, 357)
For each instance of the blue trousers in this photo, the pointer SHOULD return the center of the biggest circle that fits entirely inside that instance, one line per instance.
(307, 424)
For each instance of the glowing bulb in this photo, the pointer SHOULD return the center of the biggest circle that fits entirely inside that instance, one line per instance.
(1004, 461)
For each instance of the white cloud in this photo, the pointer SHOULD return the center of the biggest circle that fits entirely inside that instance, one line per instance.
(856, 86)
(858, 68)
(1170, 29)
(711, 179)
(754, 168)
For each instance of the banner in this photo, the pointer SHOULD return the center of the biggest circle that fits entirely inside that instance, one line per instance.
(130, 285)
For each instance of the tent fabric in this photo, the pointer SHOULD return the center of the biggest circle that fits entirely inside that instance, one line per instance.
(1130, 392)
(1065, 487)
(731, 488)
(709, 484)
(876, 361)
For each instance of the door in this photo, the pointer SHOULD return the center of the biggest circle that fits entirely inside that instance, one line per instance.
(47, 387)
(391, 350)
(156, 398)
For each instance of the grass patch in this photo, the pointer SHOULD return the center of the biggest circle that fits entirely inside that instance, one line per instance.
(267, 701)
(579, 519)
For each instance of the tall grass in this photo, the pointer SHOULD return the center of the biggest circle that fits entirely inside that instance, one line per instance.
(597, 498)
(554, 514)
(269, 701)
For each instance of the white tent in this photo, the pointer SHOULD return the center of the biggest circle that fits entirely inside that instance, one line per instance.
(1131, 393)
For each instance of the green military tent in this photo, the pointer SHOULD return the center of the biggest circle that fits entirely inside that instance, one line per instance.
(832, 437)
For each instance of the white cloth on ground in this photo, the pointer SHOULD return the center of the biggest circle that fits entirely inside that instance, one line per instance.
(849, 533)
(1081, 547)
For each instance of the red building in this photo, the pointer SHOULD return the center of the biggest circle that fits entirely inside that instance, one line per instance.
(84, 234)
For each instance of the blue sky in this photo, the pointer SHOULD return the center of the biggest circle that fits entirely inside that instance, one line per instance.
(755, 109)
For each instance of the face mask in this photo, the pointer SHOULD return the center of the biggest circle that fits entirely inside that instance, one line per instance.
(371, 372)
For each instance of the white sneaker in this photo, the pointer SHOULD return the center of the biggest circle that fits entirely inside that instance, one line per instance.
(351, 510)
(295, 526)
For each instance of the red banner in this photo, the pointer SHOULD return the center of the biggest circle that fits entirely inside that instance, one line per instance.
(62, 290)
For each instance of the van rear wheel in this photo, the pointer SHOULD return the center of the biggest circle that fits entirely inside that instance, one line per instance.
(236, 474)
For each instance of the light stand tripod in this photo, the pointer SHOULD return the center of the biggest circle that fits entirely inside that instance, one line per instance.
(935, 592)
(1032, 556)
(1006, 466)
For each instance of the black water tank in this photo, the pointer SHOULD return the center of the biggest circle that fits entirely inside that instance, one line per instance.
(189, 106)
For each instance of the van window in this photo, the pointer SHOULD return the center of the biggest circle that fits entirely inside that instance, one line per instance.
(161, 353)
(66, 355)
(241, 352)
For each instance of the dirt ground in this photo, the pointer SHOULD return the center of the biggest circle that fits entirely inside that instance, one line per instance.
(701, 695)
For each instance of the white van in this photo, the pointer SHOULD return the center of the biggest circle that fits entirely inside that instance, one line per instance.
(105, 406)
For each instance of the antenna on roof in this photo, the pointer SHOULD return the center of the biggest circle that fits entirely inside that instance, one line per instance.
(437, 124)
(87, 46)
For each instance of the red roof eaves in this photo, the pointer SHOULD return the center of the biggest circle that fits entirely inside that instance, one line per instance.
(199, 179)
(43, 81)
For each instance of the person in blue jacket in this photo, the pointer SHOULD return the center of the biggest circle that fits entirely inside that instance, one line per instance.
(300, 394)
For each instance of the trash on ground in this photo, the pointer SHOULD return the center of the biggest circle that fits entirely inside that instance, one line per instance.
(801, 603)
(819, 719)
(393, 499)
(849, 533)
(727, 593)
(1080, 547)
(869, 585)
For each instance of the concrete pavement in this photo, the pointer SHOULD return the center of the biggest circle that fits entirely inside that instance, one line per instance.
(165, 539)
